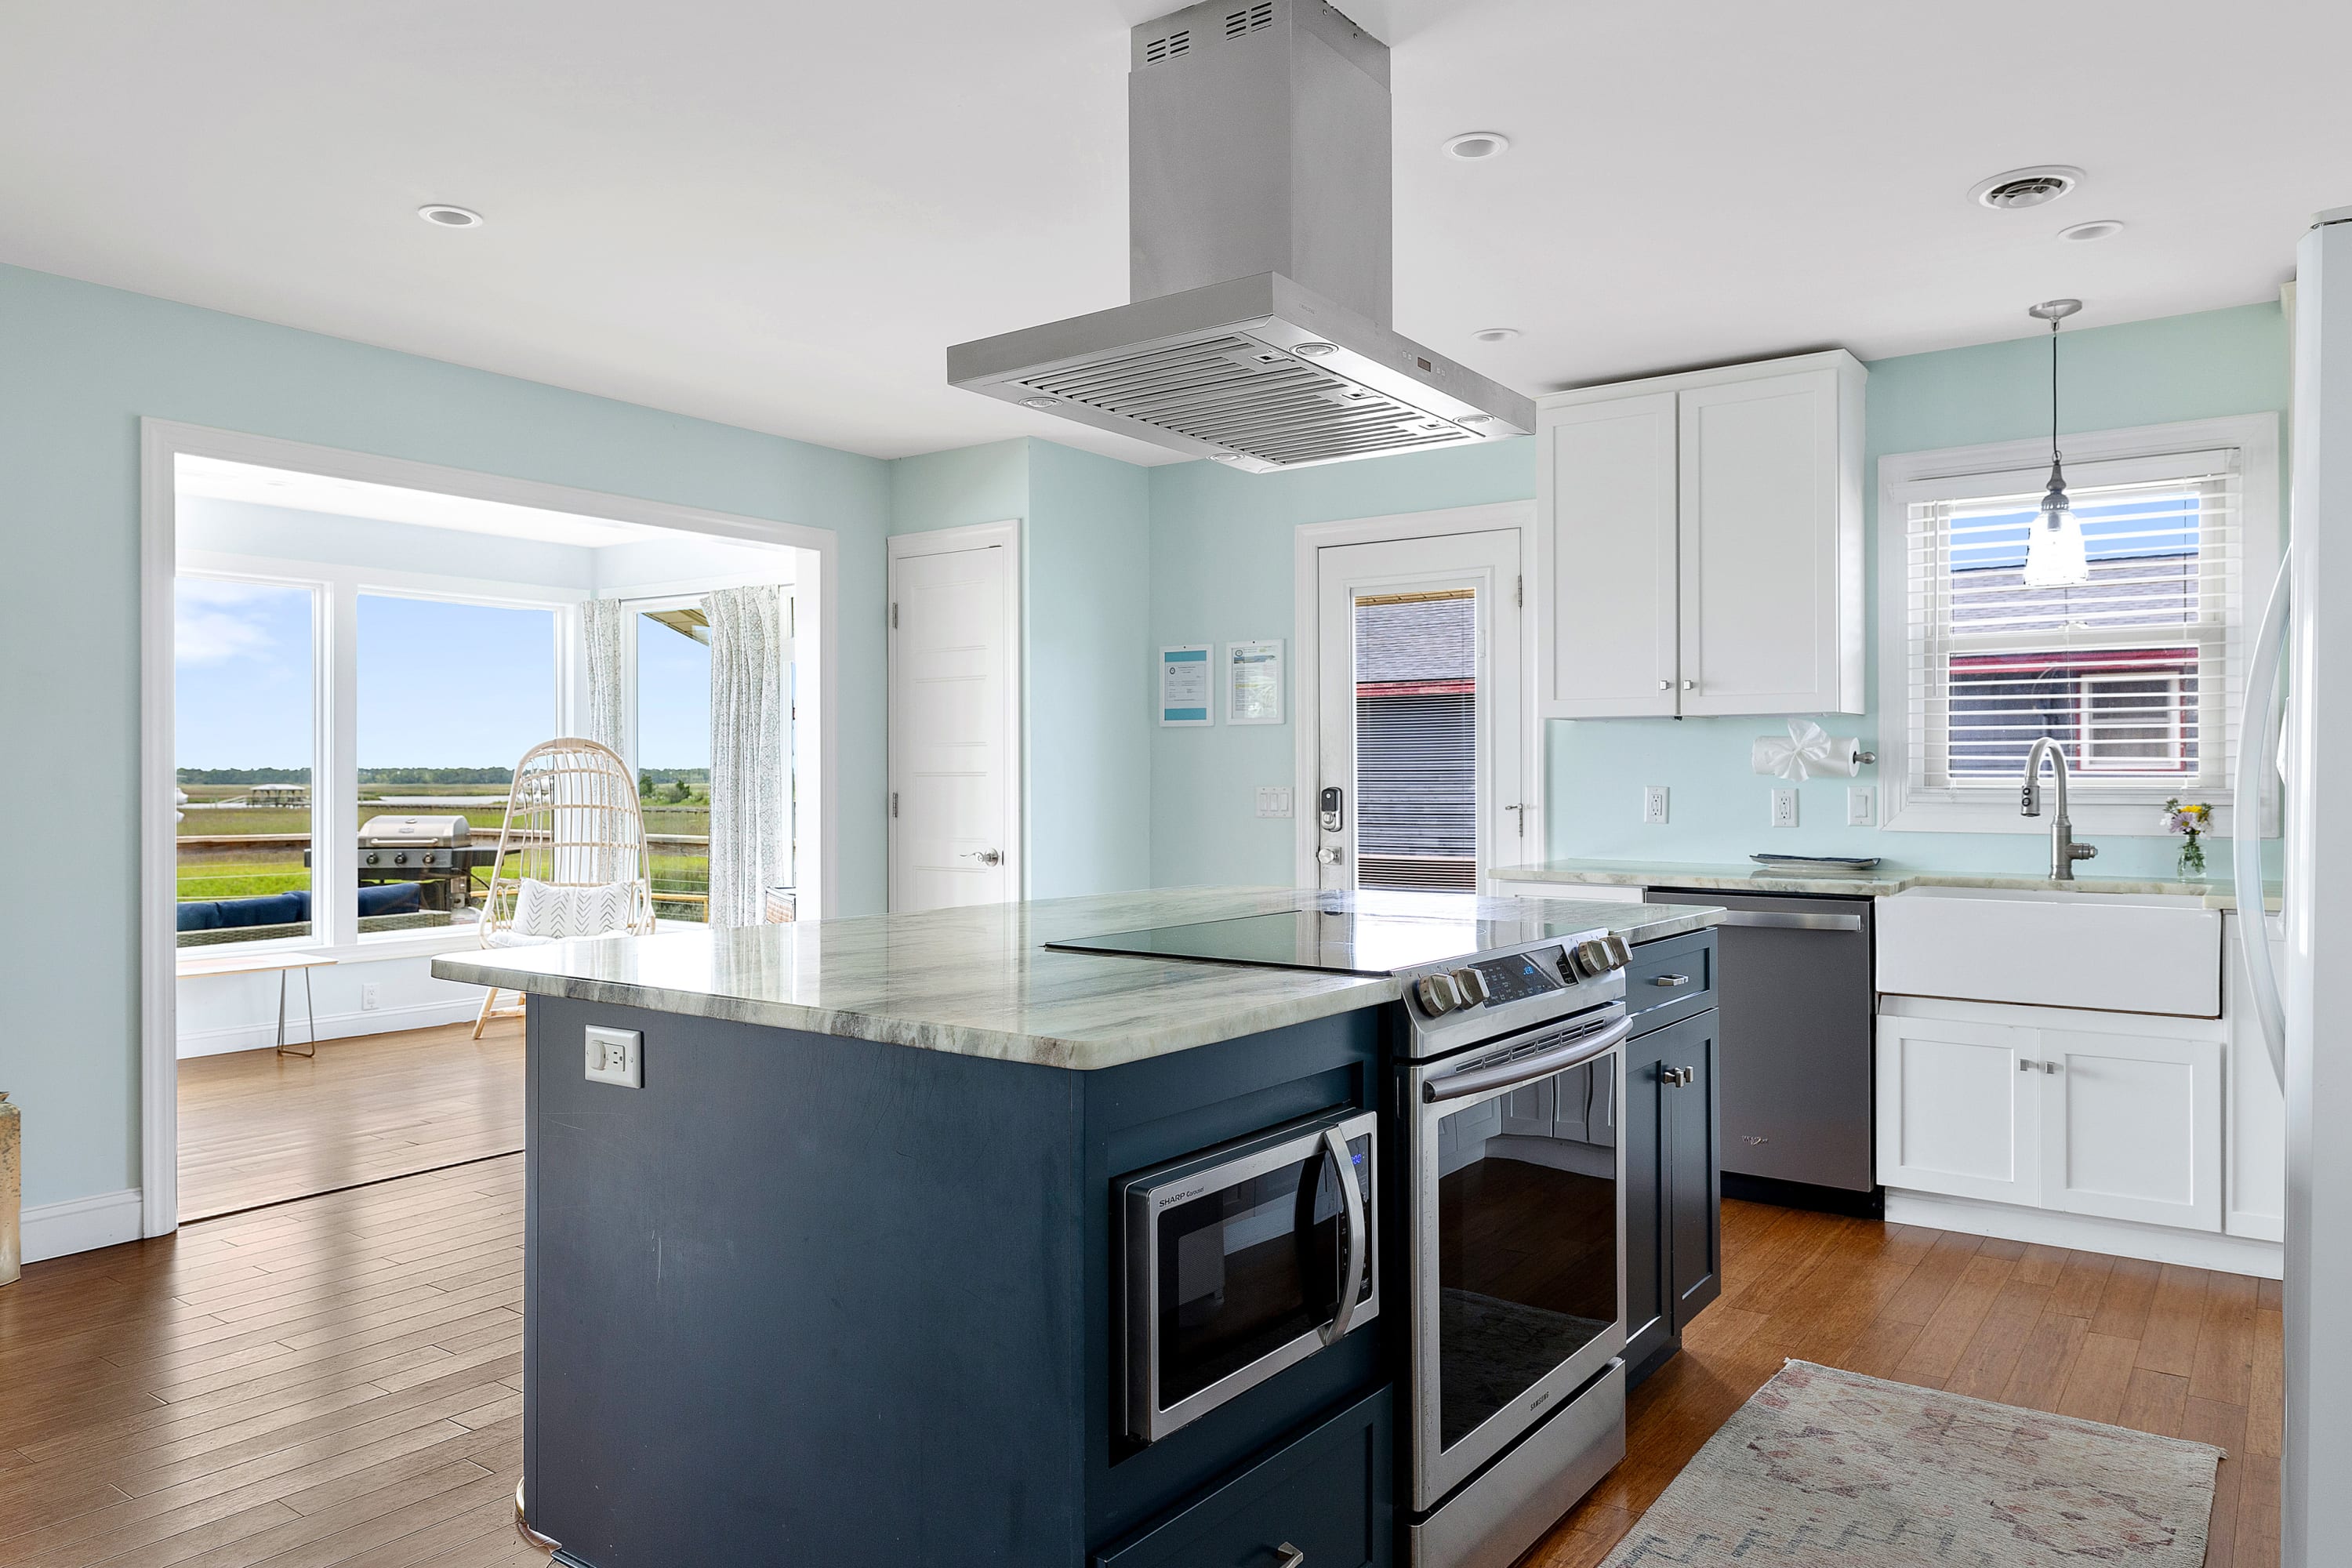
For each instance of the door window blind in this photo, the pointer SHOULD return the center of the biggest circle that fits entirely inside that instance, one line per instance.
(2135, 674)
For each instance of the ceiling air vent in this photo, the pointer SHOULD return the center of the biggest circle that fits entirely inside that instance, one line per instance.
(1159, 50)
(2022, 188)
(1249, 19)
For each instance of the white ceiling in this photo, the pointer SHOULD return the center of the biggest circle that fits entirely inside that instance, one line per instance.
(220, 479)
(778, 214)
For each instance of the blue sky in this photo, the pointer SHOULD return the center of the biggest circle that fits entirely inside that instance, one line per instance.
(673, 699)
(440, 685)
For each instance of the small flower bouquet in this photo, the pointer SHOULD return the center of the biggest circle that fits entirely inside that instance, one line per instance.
(2192, 822)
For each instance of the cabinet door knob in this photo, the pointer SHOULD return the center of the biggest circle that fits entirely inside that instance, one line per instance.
(1690, 686)
(1291, 1556)
(1671, 981)
(1664, 685)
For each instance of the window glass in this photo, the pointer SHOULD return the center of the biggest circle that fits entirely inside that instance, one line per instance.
(2127, 672)
(451, 695)
(674, 757)
(1416, 740)
(243, 742)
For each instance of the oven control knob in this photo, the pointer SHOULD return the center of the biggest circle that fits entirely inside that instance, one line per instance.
(1620, 955)
(1592, 959)
(1473, 987)
(1438, 996)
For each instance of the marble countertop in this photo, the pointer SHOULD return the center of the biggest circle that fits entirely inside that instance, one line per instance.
(978, 982)
(1878, 881)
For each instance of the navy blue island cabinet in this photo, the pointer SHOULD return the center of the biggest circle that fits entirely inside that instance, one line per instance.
(802, 1299)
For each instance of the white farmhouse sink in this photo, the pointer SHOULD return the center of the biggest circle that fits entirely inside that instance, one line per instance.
(2118, 952)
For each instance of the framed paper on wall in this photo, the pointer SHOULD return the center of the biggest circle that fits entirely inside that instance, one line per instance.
(1254, 682)
(1184, 686)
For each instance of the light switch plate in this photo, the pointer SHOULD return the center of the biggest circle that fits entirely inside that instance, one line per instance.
(1784, 807)
(1273, 800)
(1654, 804)
(616, 1056)
(1860, 806)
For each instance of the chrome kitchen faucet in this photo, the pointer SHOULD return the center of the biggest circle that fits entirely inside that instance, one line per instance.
(2064, 851)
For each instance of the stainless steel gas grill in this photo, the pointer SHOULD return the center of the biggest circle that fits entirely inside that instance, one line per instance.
(437, 852)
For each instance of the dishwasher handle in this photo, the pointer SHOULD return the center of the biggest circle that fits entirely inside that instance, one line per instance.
(1777, 920)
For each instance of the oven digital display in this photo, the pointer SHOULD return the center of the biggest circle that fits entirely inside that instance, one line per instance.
(1515, 978)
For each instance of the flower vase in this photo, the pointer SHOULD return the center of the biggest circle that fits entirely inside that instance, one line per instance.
(2192, 862)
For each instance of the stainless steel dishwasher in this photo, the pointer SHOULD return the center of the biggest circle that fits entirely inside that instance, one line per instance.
(1795, 1080)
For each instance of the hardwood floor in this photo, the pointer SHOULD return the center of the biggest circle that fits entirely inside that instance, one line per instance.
(2176, 1351)
(335, 1382)
(259, 1127)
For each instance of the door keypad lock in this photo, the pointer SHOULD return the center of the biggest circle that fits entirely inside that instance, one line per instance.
(1330, 805)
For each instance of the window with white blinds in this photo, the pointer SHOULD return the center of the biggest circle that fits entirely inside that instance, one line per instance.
(2136, 674)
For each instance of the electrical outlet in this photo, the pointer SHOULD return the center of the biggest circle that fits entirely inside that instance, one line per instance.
(616, 1055)
(1784, 807)
(368, 998)
(1654, 804)
(1860, 806)
(1273, 800)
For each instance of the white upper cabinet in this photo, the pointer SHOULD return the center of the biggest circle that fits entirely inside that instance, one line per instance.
(1699, 543)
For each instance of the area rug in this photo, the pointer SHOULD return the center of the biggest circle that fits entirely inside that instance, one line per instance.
(1832, 1469)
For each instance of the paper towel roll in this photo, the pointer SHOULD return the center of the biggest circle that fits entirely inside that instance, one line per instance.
(1807, 751)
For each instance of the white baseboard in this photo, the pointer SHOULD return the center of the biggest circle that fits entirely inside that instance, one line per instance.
(2085, 1233)
(332, 1027)
(79, 1224)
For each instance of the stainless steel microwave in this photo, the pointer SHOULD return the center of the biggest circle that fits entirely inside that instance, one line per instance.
(1244, 1260)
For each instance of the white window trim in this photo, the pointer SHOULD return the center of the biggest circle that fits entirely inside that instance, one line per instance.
(816, 617)
(1908, 477)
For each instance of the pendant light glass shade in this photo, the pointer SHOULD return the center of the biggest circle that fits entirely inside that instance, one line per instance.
(2055, 557)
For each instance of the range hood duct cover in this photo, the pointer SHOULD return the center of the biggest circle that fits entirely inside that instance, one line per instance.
(1260, 220)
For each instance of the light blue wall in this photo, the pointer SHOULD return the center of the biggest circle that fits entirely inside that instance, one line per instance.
(79, 366)
(1221, 545)
(1089, 657)
(1222, 569)
(1085, 569)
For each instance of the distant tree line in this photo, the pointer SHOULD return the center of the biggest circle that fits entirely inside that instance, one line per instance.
(674, 787)
(367, 775)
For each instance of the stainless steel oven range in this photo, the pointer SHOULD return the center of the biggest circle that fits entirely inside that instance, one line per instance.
(1509, 1085)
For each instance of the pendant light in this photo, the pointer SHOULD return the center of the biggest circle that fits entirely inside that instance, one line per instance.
(2055, 557)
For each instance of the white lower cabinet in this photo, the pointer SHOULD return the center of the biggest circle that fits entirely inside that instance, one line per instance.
(1959, 1109)
(2111, 1124)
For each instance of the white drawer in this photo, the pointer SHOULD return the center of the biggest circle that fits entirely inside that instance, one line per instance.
(2109, 952)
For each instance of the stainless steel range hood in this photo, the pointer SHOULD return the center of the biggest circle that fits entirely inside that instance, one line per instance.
(1259, 212)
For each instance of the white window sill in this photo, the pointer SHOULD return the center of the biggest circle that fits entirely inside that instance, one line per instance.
(1997, 812)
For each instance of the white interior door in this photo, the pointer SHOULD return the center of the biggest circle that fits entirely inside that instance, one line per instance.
(954, 722)
(1419, 713)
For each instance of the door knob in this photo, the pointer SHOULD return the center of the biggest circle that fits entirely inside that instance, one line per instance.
(1328, 855)
(985, 856)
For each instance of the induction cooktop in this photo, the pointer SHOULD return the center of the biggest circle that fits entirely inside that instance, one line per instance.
(1342, 941)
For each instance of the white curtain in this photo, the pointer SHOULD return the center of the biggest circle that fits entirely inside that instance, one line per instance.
(600, 624)
(748, 798)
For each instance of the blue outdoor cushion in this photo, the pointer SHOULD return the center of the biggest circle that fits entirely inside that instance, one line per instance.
(391, 899)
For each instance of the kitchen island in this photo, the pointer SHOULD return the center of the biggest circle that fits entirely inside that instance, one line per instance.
(833, 1280)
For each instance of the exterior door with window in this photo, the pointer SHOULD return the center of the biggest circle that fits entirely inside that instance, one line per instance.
(954, 787)
(1419, 701)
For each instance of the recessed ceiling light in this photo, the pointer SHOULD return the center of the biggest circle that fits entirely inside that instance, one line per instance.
(2022, 188)
(1224, 457)
(1315, 349)
(2097, 229)
(1041, 403)
(1473, 145)
(444, 216)
(1496, 335)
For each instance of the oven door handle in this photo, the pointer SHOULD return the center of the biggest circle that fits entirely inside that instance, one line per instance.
(1583, 1048)
(1358, 1240)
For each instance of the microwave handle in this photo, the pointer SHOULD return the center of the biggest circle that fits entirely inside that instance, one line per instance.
(1351, 1220)
(1477, 1080)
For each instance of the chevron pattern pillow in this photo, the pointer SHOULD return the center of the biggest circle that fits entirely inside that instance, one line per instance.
(554, 912)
